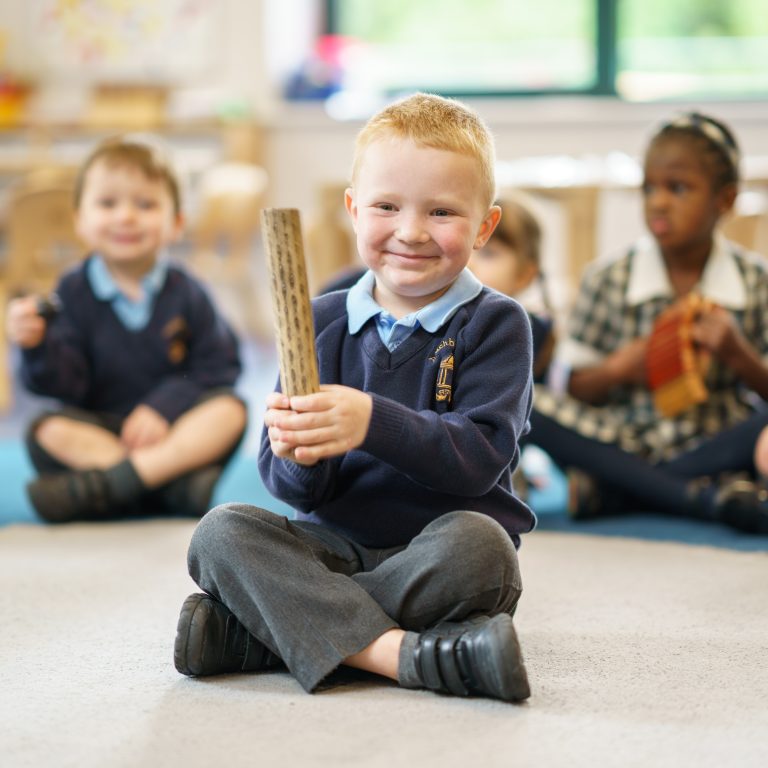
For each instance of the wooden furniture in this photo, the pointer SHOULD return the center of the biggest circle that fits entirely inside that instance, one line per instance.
(580, 205)
(330, 241)
(40, 232)
(195, 145)
(133, 107)
(41, 243)
(224, 244)
(749, 230)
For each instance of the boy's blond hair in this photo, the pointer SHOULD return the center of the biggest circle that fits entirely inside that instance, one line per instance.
(131, 153)
(436, 122)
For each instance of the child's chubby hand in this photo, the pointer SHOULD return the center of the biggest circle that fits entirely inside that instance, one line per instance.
(24, 325)
(143, 426)
(308, 428)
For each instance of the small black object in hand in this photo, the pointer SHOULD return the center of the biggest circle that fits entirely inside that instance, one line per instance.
(49, 306)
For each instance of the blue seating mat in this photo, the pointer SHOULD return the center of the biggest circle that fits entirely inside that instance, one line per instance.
(241, 481)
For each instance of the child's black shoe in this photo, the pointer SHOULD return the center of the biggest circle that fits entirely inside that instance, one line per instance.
(87, 494)
(473, 658)
(74, 495)
(743, 505)
(211, 641)
(190, 495)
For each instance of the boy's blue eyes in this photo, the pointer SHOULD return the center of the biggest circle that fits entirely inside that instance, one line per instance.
(389, 207)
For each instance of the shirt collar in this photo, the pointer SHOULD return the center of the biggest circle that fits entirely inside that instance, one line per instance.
(361, 305)
(721, 281)
(105, 287)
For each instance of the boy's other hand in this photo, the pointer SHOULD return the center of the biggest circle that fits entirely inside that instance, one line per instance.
(144, 426)
(23, 323)
(277, 406)
(308, 428)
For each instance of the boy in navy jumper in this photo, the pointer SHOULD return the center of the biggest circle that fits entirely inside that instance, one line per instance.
(402, 560)
(136, 354)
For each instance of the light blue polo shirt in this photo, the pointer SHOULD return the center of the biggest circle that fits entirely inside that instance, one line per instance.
(134, 315)
(361, 307)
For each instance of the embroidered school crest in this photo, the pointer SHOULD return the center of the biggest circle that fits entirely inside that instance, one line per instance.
(176, 332)
(444, 386)
(444, 382)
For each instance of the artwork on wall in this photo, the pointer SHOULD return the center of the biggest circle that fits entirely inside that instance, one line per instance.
(159, 41)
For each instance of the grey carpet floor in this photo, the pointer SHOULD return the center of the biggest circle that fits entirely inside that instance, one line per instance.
(640, 654)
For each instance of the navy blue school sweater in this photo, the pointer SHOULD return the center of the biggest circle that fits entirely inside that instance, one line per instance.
(89, 359)
(449, 409)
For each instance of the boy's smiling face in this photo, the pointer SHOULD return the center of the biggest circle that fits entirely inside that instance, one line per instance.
(418, 213)
(126, 216)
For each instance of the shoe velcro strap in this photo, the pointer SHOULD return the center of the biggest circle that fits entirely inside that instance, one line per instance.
(257, 655)
(88, 489)
(427, 663)
(235, 641)
(449, 667)
(437, 664)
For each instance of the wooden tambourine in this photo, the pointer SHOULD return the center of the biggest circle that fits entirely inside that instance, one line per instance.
(676, 367)
(294, 327)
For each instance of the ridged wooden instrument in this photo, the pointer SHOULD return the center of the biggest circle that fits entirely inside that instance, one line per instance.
(676, 367)
(294, 327)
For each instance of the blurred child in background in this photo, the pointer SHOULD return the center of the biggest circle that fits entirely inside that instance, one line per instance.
(140, 361)
(621, 453)
(510, 262)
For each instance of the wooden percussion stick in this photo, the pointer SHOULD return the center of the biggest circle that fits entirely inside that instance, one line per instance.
(281, 233)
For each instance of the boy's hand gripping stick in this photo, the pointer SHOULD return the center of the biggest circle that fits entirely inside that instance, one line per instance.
(281, 233)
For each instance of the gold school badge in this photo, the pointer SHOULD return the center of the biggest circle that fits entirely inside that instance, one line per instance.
(443, 387)
(444, 383)
(177, 334)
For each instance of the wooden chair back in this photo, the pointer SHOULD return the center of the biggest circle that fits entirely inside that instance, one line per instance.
(41, 237)
(41, 243)
(225, 245)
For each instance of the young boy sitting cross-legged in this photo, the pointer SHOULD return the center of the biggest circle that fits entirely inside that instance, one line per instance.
(138, 357)
(402, 560)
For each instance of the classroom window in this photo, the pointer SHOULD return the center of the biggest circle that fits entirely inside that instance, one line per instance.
(636, 49)
(459, 47)
(695, 48)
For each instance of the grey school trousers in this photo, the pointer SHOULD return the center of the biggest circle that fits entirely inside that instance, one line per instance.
(314, 597)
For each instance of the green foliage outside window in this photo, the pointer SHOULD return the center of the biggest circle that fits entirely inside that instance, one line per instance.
(638, 49)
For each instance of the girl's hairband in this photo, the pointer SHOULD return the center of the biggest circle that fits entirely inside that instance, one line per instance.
(711, 130)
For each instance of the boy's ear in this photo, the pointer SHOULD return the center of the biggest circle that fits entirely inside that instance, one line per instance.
(490, 222)
(350, 205)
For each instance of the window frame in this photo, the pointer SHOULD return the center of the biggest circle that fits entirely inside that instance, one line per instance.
(606, 63)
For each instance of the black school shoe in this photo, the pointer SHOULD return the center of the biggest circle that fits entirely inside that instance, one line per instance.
(211, 641)
(74, 495)
(473, 658)
(743, 505)
(189, 495)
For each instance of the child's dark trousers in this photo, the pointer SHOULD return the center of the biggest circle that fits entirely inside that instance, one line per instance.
(315, 597)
